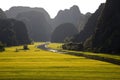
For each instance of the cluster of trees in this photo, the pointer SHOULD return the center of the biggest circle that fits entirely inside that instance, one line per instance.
(73, 46)
(2, 47)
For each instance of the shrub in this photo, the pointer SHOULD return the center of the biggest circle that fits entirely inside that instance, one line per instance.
(2, 47)
(25, 47)
(16, 50)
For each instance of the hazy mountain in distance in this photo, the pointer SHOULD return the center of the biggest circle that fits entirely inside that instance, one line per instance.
(14, 11)
(63, 31)
(38, 27)
(89, 27)
(107, 35)
(72, 15)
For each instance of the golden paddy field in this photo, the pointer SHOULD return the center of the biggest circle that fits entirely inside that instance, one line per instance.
(37, 64)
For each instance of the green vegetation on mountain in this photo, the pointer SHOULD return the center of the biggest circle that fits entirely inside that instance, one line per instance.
(63, 31)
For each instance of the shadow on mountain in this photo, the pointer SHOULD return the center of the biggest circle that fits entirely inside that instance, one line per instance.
(63, 31)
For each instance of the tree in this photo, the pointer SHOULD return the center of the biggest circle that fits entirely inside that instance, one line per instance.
(2, 47)
(25, 47)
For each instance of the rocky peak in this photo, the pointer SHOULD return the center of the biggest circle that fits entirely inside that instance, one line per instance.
(2, 14)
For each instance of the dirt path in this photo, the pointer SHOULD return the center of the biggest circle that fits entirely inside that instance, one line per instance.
(45, 47)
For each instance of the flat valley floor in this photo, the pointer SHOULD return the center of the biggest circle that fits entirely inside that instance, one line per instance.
(37, 64)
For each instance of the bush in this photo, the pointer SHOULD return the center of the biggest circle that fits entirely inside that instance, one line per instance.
(16, 50)
(2, 47)
(25, 47)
